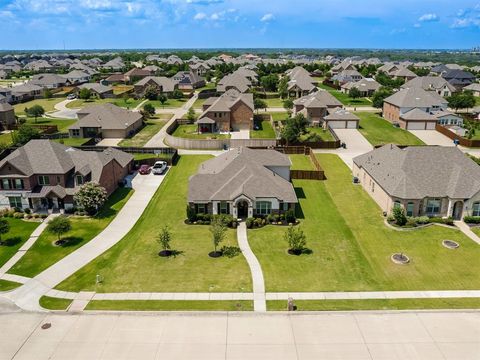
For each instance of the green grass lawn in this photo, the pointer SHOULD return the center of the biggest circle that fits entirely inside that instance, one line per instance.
(52, 303)
(19, 232)
(190, 132)
(344, 98)
(208, 86)
(6, 285)
(170, 104)
(151, 127)
(274, 102)
(169, 305)
(44, 253)
(476, 230)
(265, 131)
(198, 104)
(133, 264)
(278, 116)
(325, 135)
(72, 141)
(79, 103)
(301, 162)
(377, 304)
(6, 138)
(62, 124)
(379, 131)
(47, 104)
(145, 156)
(351, 246)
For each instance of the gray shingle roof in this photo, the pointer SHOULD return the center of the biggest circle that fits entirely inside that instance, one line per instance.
(241, 171)
(415, 97)
(106, 116)
(422, 171)
(227, 100)
(320, 98)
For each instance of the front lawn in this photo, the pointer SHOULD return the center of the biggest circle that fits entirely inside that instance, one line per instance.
(19, 232)
(6, 285)
(279, 116)
(198, 104)
(171, 305)
(344, 98)
(265, 130)
(301, 162)
(133, 264)
(169, 104)
(190, 132)
(130, 104)
(52, 303)
(351, 246)
(276, 102)
(151, 127)
(44, 253)
(47, 104)
(62, 124)
(379, 131)
(72, 141)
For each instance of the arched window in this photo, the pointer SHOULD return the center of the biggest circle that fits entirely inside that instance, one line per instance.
(476, 209)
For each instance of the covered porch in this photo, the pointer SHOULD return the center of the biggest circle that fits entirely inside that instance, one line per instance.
(49, 199)
(206, 125)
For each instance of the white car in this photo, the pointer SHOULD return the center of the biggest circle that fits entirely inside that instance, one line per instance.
(71, 97)
(159, 167)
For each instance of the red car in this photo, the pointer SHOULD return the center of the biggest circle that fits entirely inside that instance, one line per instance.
(144, 169)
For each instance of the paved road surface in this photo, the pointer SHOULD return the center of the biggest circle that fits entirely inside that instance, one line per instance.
(63, 112)
(356, 336)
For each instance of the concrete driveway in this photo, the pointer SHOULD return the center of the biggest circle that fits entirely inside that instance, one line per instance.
(63, 112)
(432, 137)
(240, 135)
(109, 142)
(356, 145)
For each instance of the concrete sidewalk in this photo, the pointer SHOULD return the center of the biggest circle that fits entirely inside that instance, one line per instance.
(467, 231)
(280, 336)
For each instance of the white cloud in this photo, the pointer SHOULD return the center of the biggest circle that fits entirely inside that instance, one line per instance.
(267, 17)
(200, 16)
(428, 17)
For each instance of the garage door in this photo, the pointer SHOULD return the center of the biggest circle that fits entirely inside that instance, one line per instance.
(352, 124)
(416, 125)
(342, 124)
(431, 126)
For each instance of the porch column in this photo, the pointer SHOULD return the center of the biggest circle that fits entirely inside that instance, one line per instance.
(450, 207)
(234, 211)
(250, 211)
(214, 207)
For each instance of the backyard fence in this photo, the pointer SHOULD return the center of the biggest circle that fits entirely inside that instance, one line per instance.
(461, 140)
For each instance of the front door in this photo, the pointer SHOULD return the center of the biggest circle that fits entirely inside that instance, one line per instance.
(457, 210)
(242, 209)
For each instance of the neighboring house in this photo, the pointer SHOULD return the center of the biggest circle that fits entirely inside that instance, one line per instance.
(403, 73)
(114, 64)
(200, 68)
(231, 111)
(300, 83)
(105, 121)
(161, 83)
(39, 65)
(315, 106)
(5, 95)
(44, 175)
(152, 69)
(459, 78)
(424, 180)
(398, 108)
(98, 90)
(366, 86)
(25, 92)
(448, 118)
(243, 182)
(389, 68)
(346, 76)
(344, 65)
(235, 81)
(48, 81)
(188, 80)
(118, 78)
(135, 74)
(7, 116)
(77, 77)
(431, 83)
(340, 119)
(474, 88)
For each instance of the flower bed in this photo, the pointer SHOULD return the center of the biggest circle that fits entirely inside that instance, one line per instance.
(413, 222)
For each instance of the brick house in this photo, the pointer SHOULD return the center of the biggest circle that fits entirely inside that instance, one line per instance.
(7, 116)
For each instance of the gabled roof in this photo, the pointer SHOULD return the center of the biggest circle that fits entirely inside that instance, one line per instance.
(225, 102)
(417, 115)
(428, 83)
(319, 99)
(167, 84)
(422, 171)
(98, 88)
(47, 79)
(106, 116)
(239, 172)
(415, 97)
(341, 114)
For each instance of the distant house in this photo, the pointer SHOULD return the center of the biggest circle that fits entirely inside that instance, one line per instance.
(366, 86)
(403, 73)
(431, 83)
(459, 78)
(300, 83)
(424, 180)
(77, 77)
(98, 90)
(25, 92)
(48, 81)
(200, 68)
(235, 81)
(231, 111)
(152, 69)
(411, 108)
(474, 88)
(346, 76)
(105, 121)
(7, 116)
(115, 64)
(161, 83)
(135, 74)
(44, 175)
(243, 183)
(5, 95)
(315, 106)
(118, 78)
(188, 80)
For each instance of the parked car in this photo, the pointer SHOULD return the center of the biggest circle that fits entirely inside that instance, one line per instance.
(159, 167)
(71, 97)
(144, 169)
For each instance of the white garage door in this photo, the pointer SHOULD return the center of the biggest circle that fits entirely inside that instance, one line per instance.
(342, 124)
(416, 125)
(431, 126)
(352, 125)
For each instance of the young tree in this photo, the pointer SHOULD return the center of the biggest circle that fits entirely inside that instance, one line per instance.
(35, 111)
(151, 93)
(148, 110)
(354, 93)
(47, 94)
(191, 114)
(288, 105)
(296, 240)
(380, 95)
(24, 134)
(163, 99)
(85, 94)
(259, 104)
(4, 228)
(461, 100)
(164, 238)
(218, 230)
(90, 197)
(283, 87)
(59, 225)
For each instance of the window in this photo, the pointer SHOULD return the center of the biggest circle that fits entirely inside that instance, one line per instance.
(263, 207)
(285, 206)
(43, 180)
(18, 184)
(476, 209)
(6, 184)
(224, 208)
(433, 206)
(410, 207)
(75, 132)
(201, 209)
(79, 180)
(15, 202)
(397, 204)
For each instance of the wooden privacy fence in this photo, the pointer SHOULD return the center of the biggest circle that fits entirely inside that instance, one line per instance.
(461, 140)
(317, 174)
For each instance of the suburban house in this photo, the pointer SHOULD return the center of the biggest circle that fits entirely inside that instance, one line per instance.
(233, 110)
(344, 65)
(135, 74)
(424, 180)
(98, 90)
(431, 83)
(339, 118)
(315, 106)
(117, 78)
(300, 83)
(366, 86)
(161, 84)
(235, 81)
(25, 92)
(448, 118)
(106, 121)
(200, 68)
(474, 88)
(403, 73)
(346, 76)
(5, 95)
(7, 116)
(77, 77)
(243, 182)
(48, 81)
(188, 80)
(44, 175)
(114, 64)
(411, 108)
(389, 68)
(459, 78)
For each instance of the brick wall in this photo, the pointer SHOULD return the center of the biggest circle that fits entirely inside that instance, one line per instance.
(391, 112)
(241, 116)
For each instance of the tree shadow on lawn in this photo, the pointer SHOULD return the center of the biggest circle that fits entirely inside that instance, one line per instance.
(298, 207)
(11, 241)
(171, 253)
(68, 241)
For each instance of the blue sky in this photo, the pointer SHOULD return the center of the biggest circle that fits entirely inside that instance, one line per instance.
(89, 24)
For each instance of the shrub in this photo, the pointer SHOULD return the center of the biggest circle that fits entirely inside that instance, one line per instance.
(422, 220)
(439, 220)
(290, 216)
(226, 219)
(411, 222)
(296, 239)
(191, 216)
(18, 215)
(249, 222)
(27, 211)
(399, 216)
(90, 197)
(472, 219)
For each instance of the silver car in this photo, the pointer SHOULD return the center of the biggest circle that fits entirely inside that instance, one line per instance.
(159, 167)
